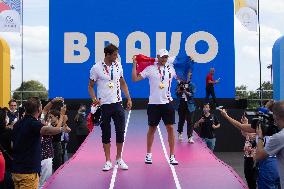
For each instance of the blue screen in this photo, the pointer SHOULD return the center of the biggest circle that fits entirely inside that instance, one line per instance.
(141, 21)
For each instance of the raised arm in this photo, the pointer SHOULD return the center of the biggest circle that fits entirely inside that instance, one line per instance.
(237, 124)
(49, 104)
(135, 77)
(47, 130)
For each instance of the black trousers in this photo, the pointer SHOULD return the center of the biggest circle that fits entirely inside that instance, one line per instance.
(185, 115)
(250, 172)
(57, 159)
(211, 92)
(115, 112)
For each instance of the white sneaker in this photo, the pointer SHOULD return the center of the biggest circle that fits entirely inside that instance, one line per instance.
(173, 160)
(107, 166)
(121, 164)
(190, 140)
(180, 138)
(148, 158)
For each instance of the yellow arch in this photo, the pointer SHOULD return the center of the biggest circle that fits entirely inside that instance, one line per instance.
(5, 73)
(239, 4)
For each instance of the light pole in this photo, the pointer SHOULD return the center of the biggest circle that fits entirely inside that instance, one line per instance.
(271, 73)
(12, 67)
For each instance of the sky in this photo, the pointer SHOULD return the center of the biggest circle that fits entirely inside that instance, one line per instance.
(36, 45)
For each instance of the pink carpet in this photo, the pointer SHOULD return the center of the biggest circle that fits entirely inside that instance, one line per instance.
(198, 167)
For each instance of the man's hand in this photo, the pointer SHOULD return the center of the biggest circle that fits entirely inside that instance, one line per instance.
(96, 102)
(129, 104)
(244, 120)
(223, 112)
(134, 60)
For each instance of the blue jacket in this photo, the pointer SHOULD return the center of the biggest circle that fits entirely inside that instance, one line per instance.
(190, 101)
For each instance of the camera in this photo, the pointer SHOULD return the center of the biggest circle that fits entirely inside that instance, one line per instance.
(263, 118)
(184, 86)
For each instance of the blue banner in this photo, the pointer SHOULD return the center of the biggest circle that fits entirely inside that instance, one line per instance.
(79, 31)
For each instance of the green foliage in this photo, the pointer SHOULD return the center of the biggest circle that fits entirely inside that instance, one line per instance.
(253, 96)
(35, 87)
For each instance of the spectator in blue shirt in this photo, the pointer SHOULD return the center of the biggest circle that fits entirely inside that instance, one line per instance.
(26, 138)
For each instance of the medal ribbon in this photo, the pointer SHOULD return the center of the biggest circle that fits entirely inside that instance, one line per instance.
(107, 72)
(162, 76)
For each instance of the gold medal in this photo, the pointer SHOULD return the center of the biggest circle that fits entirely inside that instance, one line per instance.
(162, 85)
(110, 85)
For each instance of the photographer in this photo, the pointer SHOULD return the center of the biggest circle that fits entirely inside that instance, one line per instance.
(267, 170)
(185, 103)
(275, 146)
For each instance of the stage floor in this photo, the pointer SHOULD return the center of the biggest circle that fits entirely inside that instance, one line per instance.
(198, 167)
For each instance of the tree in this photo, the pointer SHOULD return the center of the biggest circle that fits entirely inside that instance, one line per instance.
(37, 89)
(253, 96)
(267, 87)
(242, 92)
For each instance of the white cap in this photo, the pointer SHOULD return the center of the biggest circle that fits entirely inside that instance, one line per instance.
(163, 52)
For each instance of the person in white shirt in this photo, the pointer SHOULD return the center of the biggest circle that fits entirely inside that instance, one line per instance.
(160, 77)
(108, 76)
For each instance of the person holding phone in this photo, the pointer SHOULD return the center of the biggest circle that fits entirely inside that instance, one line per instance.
(210, 91)
(208, 123)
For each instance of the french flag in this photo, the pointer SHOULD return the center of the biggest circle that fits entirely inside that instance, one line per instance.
(182, 64)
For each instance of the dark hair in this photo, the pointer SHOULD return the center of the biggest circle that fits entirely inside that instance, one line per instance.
(3, 114)
(32, 105)
(109, 49)
(12, 100)
(278, 109)
(55, 113)
(57, 105)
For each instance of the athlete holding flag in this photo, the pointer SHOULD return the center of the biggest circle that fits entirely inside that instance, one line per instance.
(160, 77)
